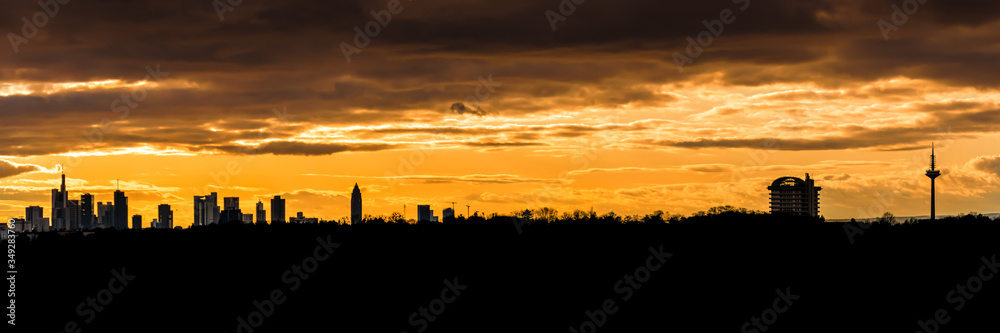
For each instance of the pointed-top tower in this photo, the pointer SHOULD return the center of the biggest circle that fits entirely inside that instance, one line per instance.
(356, 205)
(932, 173)
(60, 205)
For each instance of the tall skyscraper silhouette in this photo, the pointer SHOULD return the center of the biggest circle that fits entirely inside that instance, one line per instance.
(120, 211)
(261, 213)
(206, 209)
(165, 216)
(277, 209)
(356, 205)
(87, 217)
(231, 211)
(932, 173)
(60, 218)
(105, 215)
(73, 214)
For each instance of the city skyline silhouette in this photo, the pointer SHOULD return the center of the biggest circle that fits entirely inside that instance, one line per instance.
(789, 195)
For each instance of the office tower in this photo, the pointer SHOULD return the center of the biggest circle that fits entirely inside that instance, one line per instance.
(448, 213)
(87, 217)
(932, 173)
(214, 202)
(423, 213)
(206, 209)
(232, 212)
(247, 218)
(201, 211)
(356, 205)
(60, 219)
(155, 224)
(137, 222)
(33, 219)
(791, 195)
(261, 213)
(165, 216)
(277, 209)
(120, 211)
(23, 225)
(73, 214)
(105, 215)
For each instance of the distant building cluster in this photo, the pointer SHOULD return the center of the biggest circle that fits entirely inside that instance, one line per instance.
(80, 214)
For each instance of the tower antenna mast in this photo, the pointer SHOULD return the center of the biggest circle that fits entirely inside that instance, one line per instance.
(933, 173)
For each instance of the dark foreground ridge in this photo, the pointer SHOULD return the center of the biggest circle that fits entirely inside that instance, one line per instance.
(725, 276)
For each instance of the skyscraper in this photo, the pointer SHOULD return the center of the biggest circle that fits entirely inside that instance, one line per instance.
(277, 209)
(165, 216)
(206, 209)
(261, 213)
(33, 219)
(105, 215)
(120, 211)
(137, 222)
(60, 219)
(232, 212)
(87, 218)
(932, 173)
(73, 214)
(356, 205)
(791, 195)
(424, 213)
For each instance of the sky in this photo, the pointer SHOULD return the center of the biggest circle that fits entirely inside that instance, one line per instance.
(625, 106)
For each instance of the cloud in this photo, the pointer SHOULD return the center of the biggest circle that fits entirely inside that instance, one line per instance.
(988, 164)
(302, 148)
(479, 179)
(10, 169)
(460, 108)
